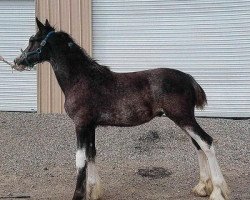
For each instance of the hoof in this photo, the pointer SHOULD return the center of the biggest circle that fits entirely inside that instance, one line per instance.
(216, 195)
(94, 192)
(199, 190)
(204, 188)
(209, 186)
(220, 193)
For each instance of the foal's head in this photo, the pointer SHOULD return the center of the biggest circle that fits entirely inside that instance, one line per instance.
(38, 49)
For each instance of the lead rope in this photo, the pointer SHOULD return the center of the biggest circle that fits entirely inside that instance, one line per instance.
(16, 67)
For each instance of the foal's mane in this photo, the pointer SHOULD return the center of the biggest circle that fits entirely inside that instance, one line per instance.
(79, 57)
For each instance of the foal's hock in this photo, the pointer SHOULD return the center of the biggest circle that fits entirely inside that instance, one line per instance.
(96, 96)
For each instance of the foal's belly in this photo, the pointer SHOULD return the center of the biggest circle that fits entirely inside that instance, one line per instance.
(129, 115)
(126, 116)
(107, 119)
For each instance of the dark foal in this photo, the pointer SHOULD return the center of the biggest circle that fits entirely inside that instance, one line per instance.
(96, 96)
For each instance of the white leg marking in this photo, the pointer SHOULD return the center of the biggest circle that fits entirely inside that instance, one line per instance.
(220, 189)
(219, 183)
(80, 158)
(94, 190)
(204, 186)
(204, 167)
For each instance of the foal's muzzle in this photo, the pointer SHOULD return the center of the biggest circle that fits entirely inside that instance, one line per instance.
(18, 61)
(28, 59)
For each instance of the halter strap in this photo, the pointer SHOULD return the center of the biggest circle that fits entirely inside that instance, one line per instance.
(38, 50)
(46, 38)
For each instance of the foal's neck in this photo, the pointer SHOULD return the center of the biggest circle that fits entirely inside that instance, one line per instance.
(72, 64)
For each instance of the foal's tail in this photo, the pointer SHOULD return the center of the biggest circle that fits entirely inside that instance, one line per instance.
(200, 95)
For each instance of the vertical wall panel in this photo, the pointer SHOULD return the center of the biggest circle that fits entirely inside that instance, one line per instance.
(73, 17)
(55, 90)
(86, 28)
(44, 93)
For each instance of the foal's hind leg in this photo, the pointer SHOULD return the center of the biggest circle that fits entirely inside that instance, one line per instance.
(204, 187)
(183, 115)
(220, 190)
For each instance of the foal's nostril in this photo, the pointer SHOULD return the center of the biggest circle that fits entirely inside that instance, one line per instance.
(17, 61)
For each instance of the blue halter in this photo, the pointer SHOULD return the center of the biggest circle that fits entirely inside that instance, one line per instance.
(38, 51)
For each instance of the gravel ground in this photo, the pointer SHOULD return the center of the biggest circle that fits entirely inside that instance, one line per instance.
(154, 161)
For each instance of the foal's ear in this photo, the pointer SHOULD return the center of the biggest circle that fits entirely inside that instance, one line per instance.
(47, 23)
(39, 24)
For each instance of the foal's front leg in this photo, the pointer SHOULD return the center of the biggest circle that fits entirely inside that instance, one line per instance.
(88, 182)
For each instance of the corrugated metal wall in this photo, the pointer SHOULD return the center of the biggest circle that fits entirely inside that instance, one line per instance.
(73, 17)
(18, 91)
(208, 39)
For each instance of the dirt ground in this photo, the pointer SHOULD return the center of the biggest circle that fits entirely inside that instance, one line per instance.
(154, 161)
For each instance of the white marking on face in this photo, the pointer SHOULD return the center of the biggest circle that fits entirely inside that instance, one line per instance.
(80, 158)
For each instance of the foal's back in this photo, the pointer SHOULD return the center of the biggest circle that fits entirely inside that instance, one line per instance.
(135, 98)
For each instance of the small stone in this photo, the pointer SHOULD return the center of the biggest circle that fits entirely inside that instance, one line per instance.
(9, 194)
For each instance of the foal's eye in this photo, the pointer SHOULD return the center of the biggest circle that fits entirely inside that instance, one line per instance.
(34, 39)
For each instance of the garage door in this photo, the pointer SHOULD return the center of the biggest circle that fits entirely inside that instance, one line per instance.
(208, 39)
(18, 90)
